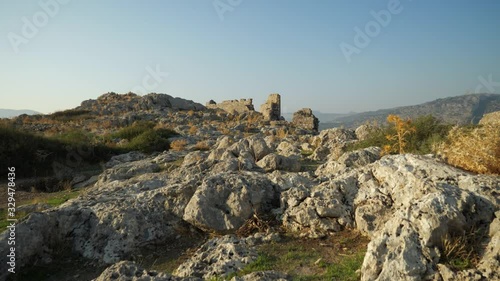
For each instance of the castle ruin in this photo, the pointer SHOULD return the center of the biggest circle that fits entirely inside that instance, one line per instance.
(272, 108)
(233, 106)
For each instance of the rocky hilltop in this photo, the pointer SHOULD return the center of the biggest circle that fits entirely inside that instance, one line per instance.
(240, 181)
(466, 109)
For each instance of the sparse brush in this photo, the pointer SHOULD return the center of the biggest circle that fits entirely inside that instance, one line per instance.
(256, 223)
(193, 130)
(178, 145)
(281, 133)
(462, 251)
(202, 145)
(476, 150)
(399, 140)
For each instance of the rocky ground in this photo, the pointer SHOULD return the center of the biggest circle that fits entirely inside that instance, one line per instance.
(214, 210)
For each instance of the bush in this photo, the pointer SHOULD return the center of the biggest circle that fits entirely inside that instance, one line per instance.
(474, 149)
(134, 130)
(428, 131)
(69, 115)
(149, 141)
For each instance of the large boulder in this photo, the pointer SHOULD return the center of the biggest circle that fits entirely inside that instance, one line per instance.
(225, 201)
(331, 141)
(273, 162)
(348, 161)
(130, 271)
(407, 204)
(218, 257)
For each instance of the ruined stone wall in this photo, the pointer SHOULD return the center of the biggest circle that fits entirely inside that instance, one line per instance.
(233, 106)
(305, 119)
(272, 108)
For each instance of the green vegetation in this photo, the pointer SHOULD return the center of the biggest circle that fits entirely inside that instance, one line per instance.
(428, 131)
(70, 115)
(36, 155)
(337, 258)
(53, 199)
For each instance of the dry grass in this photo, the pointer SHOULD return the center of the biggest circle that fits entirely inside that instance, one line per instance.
(193, 130)
(476, 150)
(202, 145)
(462, 251)
(281, 133)
(178, 145)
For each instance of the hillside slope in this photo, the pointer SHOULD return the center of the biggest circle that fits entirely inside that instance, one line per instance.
(455, 110)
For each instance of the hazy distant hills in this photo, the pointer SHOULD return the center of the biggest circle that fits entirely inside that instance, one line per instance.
(464, 109)
(7, 113)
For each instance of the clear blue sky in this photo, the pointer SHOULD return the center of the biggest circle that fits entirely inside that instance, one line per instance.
(430, 49)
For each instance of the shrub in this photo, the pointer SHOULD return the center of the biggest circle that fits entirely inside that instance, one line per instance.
(202, 146)
(134, 130)
(403, 129)
(425, 133)
(474, 149)
(148, 141)
(178, 145)
(70, 114)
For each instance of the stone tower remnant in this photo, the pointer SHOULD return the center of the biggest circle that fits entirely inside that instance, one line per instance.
(272, 108)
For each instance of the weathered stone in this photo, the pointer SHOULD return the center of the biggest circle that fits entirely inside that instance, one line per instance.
(348, 161)
(305, 119)
(271, 110)
(233, 106)
(218, 257)
(225, 201)
(263, 276)
(273, 162)
(130, 271)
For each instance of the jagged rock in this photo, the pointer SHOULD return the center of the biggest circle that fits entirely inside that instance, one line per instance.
(348, 161)
(287, 149)
(130, 271)
(331, 141)
(417, 202)
(321, 210)
(273, 162)
(225, 201)
(305, 119)
(263, 276)
(112, 103)
(364, 131)
(287, 180)
(124, 158)
(218, 257)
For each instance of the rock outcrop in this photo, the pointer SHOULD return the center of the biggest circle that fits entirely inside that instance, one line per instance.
(305, 119)
(112, 103)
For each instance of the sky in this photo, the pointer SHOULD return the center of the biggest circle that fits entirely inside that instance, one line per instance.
(332, 56)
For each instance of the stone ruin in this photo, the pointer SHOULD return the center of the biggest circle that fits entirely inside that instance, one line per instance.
(305, 119)
(233, 106)
(272, 108)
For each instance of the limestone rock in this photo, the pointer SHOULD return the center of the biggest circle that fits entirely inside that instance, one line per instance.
(263, 276)
(129, 271)
(225, 201)
(305, 119)
(273, 162)
(348, 161)
(218, 257)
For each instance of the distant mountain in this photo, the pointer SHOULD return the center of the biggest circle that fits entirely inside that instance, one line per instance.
(323, 117)
(7, 113)
(466, 109)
